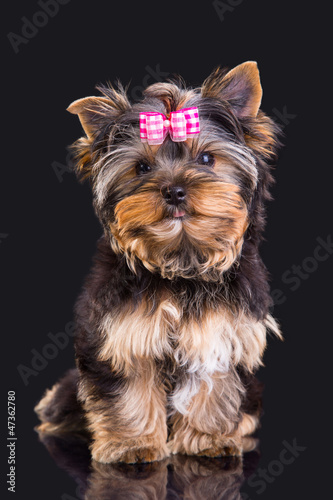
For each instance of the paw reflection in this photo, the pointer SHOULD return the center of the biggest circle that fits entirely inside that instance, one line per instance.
(176, 478)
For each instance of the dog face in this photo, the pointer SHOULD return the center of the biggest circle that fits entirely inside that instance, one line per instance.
(180, 208)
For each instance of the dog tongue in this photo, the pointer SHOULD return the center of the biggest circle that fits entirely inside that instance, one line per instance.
(179, 213)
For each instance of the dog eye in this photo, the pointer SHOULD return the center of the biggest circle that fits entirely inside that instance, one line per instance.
(206, 159)
(142, 168)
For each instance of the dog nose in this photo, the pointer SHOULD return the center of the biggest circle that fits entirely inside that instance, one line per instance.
(174, 195)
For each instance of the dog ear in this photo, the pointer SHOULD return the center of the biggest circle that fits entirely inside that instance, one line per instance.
(97, 112)
(92, 113)
(240, 87)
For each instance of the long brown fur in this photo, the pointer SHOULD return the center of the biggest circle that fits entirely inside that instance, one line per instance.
(172, 320)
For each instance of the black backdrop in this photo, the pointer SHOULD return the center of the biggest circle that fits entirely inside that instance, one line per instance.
(48, 230)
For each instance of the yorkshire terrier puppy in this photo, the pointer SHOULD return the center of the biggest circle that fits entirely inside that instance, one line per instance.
(171, 323)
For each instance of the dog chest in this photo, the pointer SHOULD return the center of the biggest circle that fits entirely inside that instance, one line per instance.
(207, 344)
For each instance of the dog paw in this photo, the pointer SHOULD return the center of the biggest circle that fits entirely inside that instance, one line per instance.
(130, 452)
(223, 447)
(221, 451)
(207, 446)
(140, 455)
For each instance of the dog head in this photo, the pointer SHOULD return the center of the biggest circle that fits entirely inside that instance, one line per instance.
(182, 209)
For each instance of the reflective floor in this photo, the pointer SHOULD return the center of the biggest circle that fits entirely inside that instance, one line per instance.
(179, 477)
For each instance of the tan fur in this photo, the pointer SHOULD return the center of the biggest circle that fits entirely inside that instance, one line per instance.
(209, 422)
(239, 338)
(203, 351)
(180, 476)
(166, 93)
(147, 335)
(133, 427)
(91, 112)
(66, 425)
(219, 244)
(248, 425)
(249, 71)
(236, 338)
(109, 481)
(210, 428)
(45, 401)
(230, 85)
(211, 419)
(263, 138)
(198, 478)
(87, 106)
(46, 426)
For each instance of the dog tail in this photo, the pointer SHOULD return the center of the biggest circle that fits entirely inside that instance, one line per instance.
(59, 410)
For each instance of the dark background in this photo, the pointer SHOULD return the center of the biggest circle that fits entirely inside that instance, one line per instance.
(48, 229)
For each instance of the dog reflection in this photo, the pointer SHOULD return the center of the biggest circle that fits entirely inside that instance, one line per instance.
(122, 481)
(176, 478)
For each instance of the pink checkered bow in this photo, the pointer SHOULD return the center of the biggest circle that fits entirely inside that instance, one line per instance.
(155, 126)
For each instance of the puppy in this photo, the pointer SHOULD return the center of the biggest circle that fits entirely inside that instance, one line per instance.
(171, 323)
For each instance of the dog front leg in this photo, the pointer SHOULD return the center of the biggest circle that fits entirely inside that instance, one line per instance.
(130, 424)
(211, 423)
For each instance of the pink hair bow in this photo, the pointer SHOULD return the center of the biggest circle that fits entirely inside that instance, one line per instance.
(155, 126)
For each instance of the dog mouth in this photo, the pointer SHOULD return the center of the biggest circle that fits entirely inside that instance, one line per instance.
(178, 213)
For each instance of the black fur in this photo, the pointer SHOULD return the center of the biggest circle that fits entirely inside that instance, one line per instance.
(114, 282)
